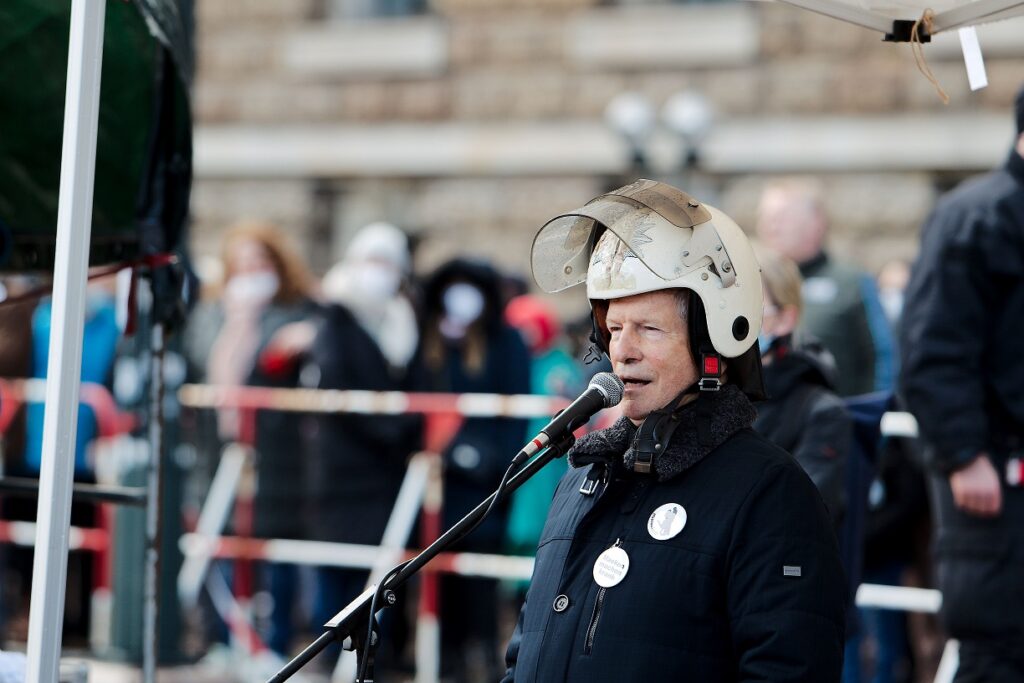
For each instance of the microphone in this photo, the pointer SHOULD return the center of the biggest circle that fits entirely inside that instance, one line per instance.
(604, 391)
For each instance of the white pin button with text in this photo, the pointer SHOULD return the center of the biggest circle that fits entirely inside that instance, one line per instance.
(667, 521)
(611, 567)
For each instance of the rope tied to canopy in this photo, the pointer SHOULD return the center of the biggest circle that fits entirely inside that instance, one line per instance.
(926, 21)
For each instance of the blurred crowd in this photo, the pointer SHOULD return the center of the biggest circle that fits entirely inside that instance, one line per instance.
(371, 322)
(368, 324)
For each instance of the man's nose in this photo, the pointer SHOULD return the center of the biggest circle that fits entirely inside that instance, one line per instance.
(625, 349)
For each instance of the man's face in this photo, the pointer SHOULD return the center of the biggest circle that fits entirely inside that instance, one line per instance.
(789, 223)
(649, 350)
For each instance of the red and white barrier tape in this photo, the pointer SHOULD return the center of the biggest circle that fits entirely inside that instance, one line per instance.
(371, 402)
(320, 553)
(905, 598)
(24, 534)
(364, 556)
(897, 424)
(110, 420)
(475, 564)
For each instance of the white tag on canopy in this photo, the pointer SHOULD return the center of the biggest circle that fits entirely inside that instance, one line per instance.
(976, 76)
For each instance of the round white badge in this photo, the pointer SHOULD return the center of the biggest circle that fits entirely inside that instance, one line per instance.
(611, 567)
(667, 521)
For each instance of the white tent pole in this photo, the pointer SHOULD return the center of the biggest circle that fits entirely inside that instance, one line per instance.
(60, 425)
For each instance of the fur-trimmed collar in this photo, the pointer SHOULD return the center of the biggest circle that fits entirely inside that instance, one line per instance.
(731, 411)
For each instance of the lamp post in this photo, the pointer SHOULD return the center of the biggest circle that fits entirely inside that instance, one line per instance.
(689, 115)
(632, 115)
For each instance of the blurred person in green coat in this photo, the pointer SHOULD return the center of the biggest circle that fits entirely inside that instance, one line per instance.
(553, 372)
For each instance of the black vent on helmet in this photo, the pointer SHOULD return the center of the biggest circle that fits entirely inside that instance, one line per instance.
(740, 328)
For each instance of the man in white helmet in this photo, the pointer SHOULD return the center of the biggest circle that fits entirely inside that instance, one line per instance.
(681, 546)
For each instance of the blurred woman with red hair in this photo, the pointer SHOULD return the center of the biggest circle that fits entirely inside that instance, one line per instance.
(265, 286)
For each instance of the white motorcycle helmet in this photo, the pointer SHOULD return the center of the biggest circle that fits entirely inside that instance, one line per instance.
(649, 236)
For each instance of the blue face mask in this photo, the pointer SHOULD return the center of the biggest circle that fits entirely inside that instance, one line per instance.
(765, 341)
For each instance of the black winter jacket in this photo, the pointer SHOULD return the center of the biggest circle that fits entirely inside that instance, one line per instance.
(963, 379)
(357, 461)
(279, 474)
(478, 455)
(804, 416)
(750, 589)
(963, 321)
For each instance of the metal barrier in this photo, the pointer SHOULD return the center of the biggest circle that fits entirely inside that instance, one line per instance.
(421, 493)
(111, 424)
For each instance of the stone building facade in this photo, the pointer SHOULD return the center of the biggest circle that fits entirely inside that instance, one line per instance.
(469, 122)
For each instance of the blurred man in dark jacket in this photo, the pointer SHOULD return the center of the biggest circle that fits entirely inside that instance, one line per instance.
(963, 379)
(840, 303)
(682, 546)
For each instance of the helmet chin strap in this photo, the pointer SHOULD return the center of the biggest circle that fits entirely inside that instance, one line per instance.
(655, 432)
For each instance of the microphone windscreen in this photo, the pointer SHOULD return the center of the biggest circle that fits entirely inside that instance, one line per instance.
(610, 386)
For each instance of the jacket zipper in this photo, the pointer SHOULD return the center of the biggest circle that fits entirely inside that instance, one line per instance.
(592, 629)
(588, 647)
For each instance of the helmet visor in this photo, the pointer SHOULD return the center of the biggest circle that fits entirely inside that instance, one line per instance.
(561, 252)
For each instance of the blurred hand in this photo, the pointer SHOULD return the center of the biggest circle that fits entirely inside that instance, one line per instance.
(976, 488)
(293, 339)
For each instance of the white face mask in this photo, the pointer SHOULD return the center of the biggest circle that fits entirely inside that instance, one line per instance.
(892, 302)
(463, 303)
(252, 288)
(378, 281)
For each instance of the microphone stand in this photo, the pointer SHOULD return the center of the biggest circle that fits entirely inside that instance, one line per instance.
(351, 622)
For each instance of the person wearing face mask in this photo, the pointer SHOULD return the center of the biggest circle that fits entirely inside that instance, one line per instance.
(468, 347)
(365, 337)
(266, 286)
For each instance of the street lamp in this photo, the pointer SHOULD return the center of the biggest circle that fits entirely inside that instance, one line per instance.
(686, 114)
(689, 115)
(631, 115)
